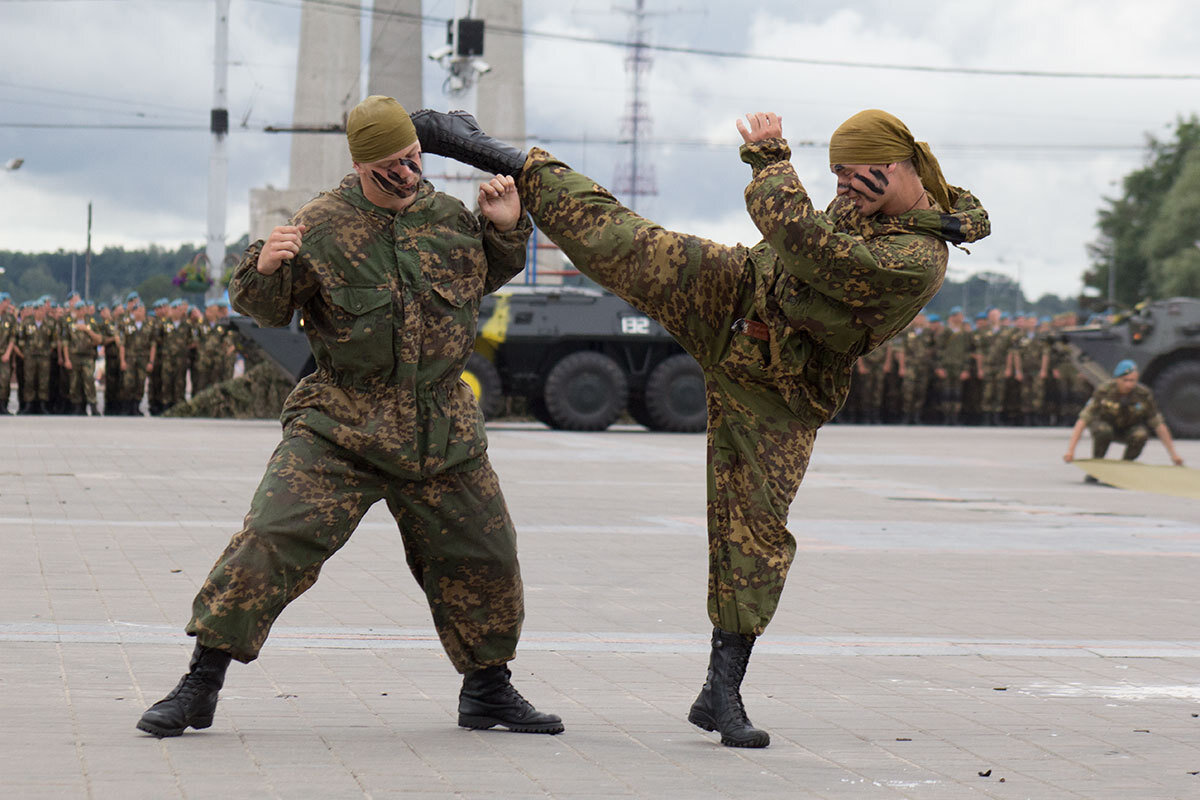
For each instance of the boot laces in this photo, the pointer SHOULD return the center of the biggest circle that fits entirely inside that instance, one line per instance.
(737, 663)
(509, 693)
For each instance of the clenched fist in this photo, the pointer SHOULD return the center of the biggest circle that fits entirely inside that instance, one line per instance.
(283, 244)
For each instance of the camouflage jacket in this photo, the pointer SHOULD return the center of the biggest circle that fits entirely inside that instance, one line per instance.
(174, 339)
(137, 341)
(8, 330)
(993, 344)
(79, 342)
(389, 302)
(1031, 349)
(836, 285)
(38, 340)
(954, 352)
(1122, 410)
(214, 340)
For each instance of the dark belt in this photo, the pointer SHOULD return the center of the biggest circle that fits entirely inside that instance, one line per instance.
(751, 328)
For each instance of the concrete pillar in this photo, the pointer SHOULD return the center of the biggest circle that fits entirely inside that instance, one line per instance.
(500, 104)
(327, 87)
(397, 54)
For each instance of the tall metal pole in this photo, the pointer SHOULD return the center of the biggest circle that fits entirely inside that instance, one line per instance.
(218, 163)
(87, 259)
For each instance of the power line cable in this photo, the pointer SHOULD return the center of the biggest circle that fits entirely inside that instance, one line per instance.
(347, 7)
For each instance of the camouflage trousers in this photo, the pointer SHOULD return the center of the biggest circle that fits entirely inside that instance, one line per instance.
(83, 378)
(994, 384)
(174, 380)
(133, 380)
(1033, 393)
(952, 395)
(458, 539)
(914, 390)
(1104, 434)
(757, 448)
(37, 377)
(6, 375)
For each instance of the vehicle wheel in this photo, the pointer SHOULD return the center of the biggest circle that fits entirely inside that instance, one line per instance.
(537, 407)
(675, 395)
(481, 375)
(1177, 393)
(585, 391)
(636, 406)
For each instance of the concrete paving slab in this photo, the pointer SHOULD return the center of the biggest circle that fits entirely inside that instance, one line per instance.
(963, 611)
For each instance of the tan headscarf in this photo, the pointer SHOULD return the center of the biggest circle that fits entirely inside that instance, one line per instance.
(877, 137)
(378, 127)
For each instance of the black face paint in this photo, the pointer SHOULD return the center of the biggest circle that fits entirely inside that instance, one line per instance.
(871, 185)
(393, 183)
(879, 176)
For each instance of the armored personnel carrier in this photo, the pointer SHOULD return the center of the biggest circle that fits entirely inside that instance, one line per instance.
(1163, 337)
(578, 356)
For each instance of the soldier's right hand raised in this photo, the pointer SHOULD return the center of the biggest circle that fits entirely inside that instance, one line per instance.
(283, 244)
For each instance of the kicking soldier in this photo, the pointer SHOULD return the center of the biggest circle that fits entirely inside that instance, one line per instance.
(777, 328)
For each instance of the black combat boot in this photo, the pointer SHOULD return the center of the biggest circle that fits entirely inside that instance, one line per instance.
(719, 706)
(457, 135)
(193, 700)
(488, 699)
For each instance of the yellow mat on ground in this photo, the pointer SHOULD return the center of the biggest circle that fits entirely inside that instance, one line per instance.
(1156, 478)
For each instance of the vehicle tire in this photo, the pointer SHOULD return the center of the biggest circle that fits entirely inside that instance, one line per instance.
(675, 396)
(585, 391)
(537, 407)
(1177, 394)
(636, 406)
(481, 375)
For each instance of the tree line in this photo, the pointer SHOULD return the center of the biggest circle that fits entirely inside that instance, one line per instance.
(115, 271)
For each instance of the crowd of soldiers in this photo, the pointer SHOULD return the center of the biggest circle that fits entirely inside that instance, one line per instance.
(998, 369)
(58, 352)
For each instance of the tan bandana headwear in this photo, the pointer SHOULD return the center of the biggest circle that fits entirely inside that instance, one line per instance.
(877, 137)
(378, 127)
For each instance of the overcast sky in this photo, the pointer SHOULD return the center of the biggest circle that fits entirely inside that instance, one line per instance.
(1041, 153)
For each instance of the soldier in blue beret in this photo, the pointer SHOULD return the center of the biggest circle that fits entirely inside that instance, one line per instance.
(1121, 410)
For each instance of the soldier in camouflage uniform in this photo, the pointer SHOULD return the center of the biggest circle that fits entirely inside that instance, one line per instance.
(38, 341)
(870, 371)
(157, 319)
(915, 365)
(175, 340)
(955, 361)
(214, 345)
(1121, 410)
(1032, 363)
(80, 349)
(8, 348)
(137, 342)
(388, 275)
(777, 328)
(992, 362)
(109, 321)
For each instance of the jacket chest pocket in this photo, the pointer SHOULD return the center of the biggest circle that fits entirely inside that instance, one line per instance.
(362, 346)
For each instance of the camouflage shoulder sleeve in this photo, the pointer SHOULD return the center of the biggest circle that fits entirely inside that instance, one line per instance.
(505, 251)
(1153, 417)
(270, 299)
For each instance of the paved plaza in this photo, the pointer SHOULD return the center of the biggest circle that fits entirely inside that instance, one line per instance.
(965, 618)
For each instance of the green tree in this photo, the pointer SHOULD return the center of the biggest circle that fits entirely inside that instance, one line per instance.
(1145, 234)
(1172, 245)
(37, 281)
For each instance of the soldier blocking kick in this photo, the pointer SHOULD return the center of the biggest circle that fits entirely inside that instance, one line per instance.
(388, 275)
(777, 328)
